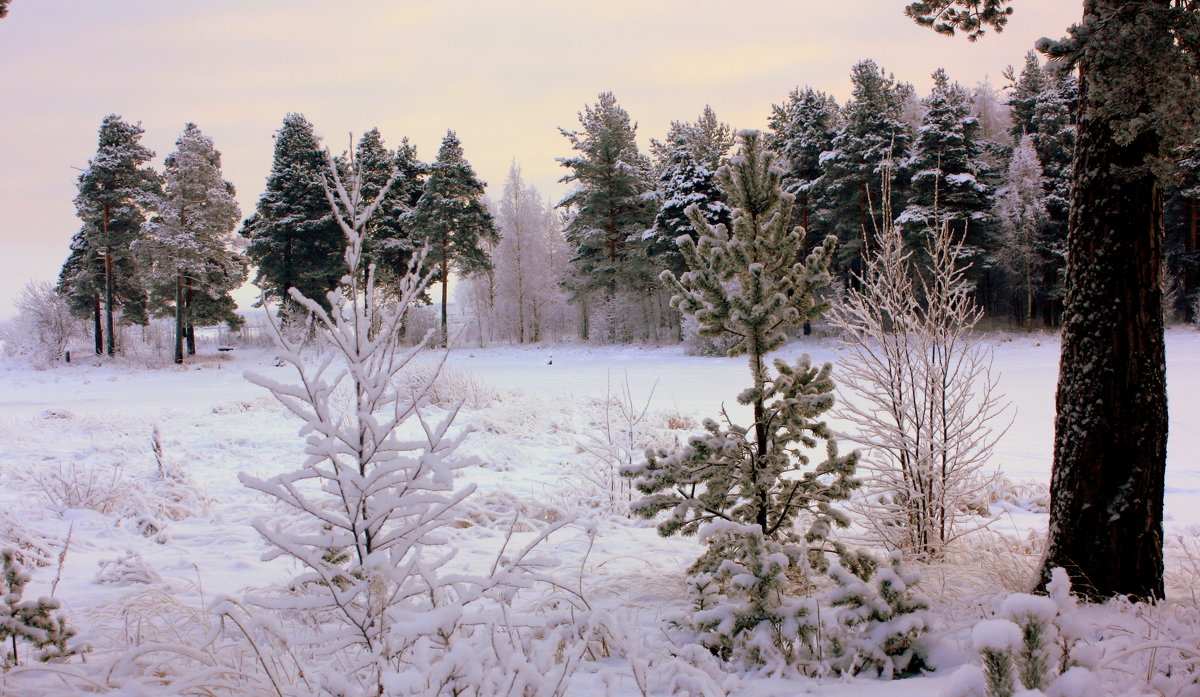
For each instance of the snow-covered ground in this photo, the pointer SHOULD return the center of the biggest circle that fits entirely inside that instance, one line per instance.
(75, 451)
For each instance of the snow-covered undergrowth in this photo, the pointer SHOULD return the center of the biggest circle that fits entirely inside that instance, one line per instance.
(81, 480)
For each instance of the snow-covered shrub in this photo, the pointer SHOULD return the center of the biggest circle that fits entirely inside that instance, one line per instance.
(743, 488)
(126, 569)
(39, 623)
(623, 433)
(445, 386)
(29, 549)
(880, 617)
(43, 327)
(1032, 647)
(179, 495)
(924, 402)
(74, 486)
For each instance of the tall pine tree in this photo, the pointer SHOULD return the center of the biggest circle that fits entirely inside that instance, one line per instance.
(608, 211)
(294, 240)
(186, 249)
(802, 128)
(1137, 104)
(452, 221)
(872, 137)
(113, 192)
(389, 241)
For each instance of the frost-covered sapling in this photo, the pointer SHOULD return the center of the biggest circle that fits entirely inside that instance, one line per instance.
(995, 640)
(40, 623)
(744, 487)
(370, 497)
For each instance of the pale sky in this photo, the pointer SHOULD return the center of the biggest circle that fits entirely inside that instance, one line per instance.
(503, 74)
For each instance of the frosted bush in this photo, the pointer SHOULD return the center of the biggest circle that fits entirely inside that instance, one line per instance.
(447, 386)
(127, 569)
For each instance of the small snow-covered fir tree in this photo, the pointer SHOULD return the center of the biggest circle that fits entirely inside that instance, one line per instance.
(745, 487)
(371, 495)
(38, 623)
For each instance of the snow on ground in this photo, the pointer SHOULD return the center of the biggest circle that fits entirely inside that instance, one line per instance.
(83, 432)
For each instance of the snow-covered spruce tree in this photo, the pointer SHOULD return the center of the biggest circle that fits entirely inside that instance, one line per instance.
(1020, 212)
(389, 243)
(294, 241)
(186, 246)
(452, 222)
(38, 623)
(872, 135)
(744, 488)
(370, 498)
(946, 173)
(113, 192)
(608, 210)
(925, 406)
(802, 128)
(684, 182)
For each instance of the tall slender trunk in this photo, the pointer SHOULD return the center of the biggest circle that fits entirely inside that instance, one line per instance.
(445, 294)
(1106, 495)
(178, 316)
(97, 330)
(111, 345)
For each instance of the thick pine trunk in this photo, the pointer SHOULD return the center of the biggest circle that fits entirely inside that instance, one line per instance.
(1111, 429)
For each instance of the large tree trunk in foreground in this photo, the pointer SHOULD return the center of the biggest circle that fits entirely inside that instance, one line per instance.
(1110, 436)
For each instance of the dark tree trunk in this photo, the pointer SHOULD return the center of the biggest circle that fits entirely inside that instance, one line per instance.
(188, 327)
(111, 344)
(1110, 439)
(97, 330)
(178, 317)
(445, 289)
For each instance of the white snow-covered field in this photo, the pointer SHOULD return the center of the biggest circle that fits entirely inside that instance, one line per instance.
(75, 450)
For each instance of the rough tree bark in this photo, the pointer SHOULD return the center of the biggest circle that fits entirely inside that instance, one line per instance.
(1110, 434)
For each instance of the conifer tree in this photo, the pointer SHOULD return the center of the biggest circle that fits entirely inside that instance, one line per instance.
(946, 184)
(741, 487)
(389, 244)
(684, 183)
(1106, 491)
(186, 250)
(607, 209)
(802, 128)
(1024, 91)
(294, 240)
(452, 221)
(872, 137)
(113, 192)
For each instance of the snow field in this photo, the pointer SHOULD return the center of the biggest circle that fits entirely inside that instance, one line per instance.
(148, 552)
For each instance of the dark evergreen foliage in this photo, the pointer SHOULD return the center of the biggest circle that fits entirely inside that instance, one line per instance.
(451, 220)
(113, 193)
(802, 128)
(294, 240)
(684, 183)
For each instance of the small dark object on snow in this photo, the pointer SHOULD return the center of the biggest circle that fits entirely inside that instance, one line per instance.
(224, 348)
(551, 361)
